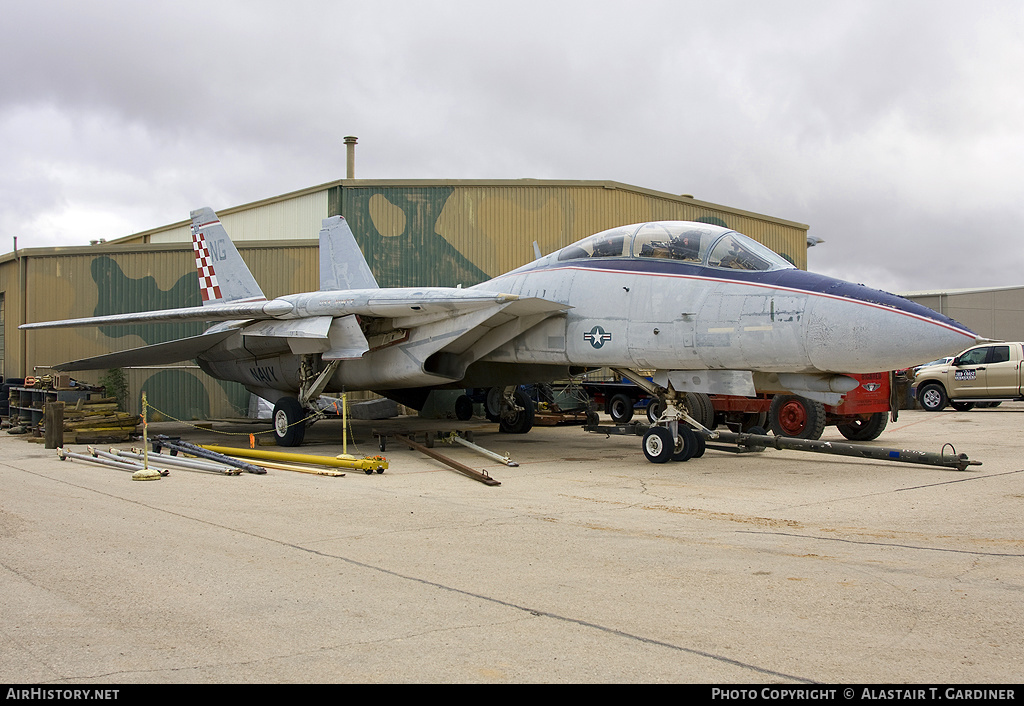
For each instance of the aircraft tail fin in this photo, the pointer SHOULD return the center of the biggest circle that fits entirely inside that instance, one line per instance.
(223, 274)
(342, 265)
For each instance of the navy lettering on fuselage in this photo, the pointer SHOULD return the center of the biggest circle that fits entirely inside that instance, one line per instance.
(263, 373)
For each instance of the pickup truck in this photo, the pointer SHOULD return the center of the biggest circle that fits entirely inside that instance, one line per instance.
(984, 375)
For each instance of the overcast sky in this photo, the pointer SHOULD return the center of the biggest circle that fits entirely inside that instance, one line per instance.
(894, 129)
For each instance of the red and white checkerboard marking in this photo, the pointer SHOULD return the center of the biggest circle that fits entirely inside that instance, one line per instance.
(208, 286)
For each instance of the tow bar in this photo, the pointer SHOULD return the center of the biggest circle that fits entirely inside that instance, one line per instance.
(757, 442)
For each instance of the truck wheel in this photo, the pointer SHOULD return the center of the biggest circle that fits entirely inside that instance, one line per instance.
(962, 406)
(620, 407)
(658, 445)
(287, 415)
(865, 429)
(796, 417)
(932, 397)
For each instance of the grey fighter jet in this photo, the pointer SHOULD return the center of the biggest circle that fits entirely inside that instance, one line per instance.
(705, 308)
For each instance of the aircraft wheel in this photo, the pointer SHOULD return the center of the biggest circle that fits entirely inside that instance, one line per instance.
(701, 445)
(518, 421)
(288, 413)
(865, 429)
(463, 408)
(658, 445)
(620, 407)
(932, 397)
(796, 417)
(685, 445)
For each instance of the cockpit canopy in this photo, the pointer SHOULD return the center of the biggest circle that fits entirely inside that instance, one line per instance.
(694, 243)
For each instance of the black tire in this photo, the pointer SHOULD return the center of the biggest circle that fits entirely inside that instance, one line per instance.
(287, 417)
(752, 421)
(518, 421)
(962, 406)
(492, 404)
(658, 445)
(686, 445)
(655, 408)
(865, 429)
(701, 444)
(796, 417)
(463, 408)
(707, 418)
(932, 397)
(620, 407)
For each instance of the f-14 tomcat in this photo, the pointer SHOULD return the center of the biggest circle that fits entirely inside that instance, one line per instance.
(706, 308)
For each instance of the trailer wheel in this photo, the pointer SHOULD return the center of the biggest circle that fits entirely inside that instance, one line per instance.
(463, 408)
(865, 429)
(752, 421)
(658, 445)
(796, 417)
(518, 421)
(655, 408)
(932, 397)
(287, 415)
(620, 407)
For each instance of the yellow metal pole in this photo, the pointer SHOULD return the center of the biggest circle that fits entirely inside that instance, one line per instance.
(145, 434)
(365, 464)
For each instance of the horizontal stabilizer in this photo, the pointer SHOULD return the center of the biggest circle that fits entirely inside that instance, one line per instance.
(311, 327)
(156, 354)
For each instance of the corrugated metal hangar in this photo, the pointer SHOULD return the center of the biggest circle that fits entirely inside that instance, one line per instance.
(992, 312)
(412, 232)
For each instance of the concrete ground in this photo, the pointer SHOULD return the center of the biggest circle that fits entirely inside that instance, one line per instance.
(587, 564)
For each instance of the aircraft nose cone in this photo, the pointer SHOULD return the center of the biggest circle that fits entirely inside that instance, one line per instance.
(866, 330)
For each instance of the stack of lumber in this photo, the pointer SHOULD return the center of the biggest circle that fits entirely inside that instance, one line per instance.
(98, 421)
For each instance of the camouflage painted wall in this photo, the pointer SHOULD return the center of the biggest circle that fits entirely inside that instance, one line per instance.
(443, 235)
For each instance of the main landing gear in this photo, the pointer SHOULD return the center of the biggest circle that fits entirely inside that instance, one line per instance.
(293, 414)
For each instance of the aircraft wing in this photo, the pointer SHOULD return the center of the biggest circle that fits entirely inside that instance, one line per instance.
(216, 312)
(466, 323)
(363, 302)
(156, 354)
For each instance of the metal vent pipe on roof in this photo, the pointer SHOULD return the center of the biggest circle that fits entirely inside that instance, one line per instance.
(350, 144)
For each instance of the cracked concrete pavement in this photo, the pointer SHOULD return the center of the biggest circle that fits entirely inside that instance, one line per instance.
(587, 564)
